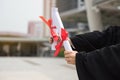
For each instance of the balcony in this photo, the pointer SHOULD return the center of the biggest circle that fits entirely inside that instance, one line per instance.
(96, 2)
(107, 4)
(110, 10)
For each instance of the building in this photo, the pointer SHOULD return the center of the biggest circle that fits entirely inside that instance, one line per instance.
(34, 43)
(19, 44)
(74, 6)
(71, 13)
(36, 29)
(48, 4)
(102, 13)
(110, 10)
(97, 13)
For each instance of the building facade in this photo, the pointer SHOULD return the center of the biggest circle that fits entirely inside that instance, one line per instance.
(19, 44)
(93, 12)
(34, 43)
(70, 15)
(36, 29)
(73, 7)
(48, 4)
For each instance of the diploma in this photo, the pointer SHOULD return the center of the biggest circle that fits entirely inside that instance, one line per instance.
(57, 29)
(52, 31)
(58, 23)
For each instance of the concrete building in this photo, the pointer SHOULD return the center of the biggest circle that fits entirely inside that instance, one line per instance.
(110, 10)
(47, 13)
(93, 12)
(36, 29)
(77, 13)
(70, 14)
(34, 43)
(19, 44)
(102, 13)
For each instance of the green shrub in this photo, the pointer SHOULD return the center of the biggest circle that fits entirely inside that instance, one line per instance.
(61, 53)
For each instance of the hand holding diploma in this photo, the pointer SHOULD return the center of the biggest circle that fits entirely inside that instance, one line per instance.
(52, 28)
(59, 31)
(70, 56)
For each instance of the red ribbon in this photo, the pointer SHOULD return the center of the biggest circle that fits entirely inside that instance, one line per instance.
(49, 23)
(64, 35)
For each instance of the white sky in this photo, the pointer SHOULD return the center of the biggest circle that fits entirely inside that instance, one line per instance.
(15, 14)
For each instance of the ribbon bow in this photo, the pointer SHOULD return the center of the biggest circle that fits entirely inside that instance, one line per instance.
(49, 23)
(64, 34)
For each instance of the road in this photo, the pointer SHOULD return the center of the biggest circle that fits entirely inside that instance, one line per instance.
(36, 68)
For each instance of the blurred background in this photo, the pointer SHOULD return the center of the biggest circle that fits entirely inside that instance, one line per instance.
(24, 45)
(22, 33)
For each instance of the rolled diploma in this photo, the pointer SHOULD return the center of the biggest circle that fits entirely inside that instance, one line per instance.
(58, 23)
(53, 24)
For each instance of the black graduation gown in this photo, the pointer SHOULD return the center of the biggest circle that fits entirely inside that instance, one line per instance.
(99, 54)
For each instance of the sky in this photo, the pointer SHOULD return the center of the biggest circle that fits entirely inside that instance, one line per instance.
(15, 14)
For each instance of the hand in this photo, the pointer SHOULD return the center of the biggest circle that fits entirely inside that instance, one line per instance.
(70, 56)
(51, 40)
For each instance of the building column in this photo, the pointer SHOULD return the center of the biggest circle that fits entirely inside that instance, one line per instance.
(48, 4)
(94, 16)
(19, 49)
(38, 49)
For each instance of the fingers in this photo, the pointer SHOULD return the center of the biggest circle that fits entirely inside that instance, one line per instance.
(70, 56)
(67, 54)
(70, 60)
(50, 40)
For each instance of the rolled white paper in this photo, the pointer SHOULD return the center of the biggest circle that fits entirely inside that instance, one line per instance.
(55, 29)
(58, 23)
(53, 45)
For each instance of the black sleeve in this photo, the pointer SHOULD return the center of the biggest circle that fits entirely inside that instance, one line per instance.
(101, 64)
(93, 40)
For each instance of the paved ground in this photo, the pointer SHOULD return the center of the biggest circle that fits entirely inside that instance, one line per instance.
(36, 68)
